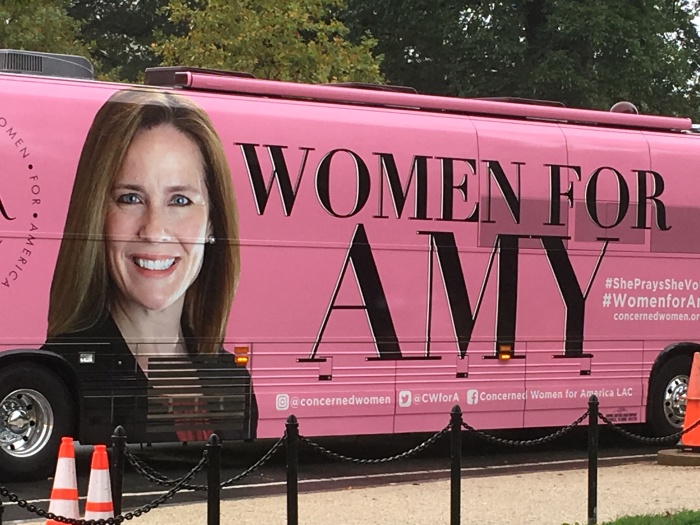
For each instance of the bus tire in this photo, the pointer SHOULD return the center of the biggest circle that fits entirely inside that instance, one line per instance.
(666, 407)
(36, 410)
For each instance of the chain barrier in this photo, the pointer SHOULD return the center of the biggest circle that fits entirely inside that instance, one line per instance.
(646, 439)
(157, 478)
(23, 504)
(335, 455)
(526, 442)
(183, 483)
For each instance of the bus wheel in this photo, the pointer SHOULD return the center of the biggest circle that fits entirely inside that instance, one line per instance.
(667, 396)
(35, 412)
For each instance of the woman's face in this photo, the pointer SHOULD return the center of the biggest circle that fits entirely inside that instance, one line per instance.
(157, 219)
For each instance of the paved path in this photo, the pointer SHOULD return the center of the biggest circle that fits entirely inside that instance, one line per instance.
(541, 498)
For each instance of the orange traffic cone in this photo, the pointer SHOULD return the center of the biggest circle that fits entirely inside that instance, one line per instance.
(64, 495)
(99, 498)
(691, 439)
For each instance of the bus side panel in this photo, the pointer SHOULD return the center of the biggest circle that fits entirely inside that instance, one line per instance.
(599, 356)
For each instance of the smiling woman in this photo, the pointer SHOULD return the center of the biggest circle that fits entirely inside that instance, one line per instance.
(147, 270)
(156, 224)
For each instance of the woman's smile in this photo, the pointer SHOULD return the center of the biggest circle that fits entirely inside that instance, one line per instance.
(155, 267)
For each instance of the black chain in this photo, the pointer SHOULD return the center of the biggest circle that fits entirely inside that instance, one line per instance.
(157, 478)
(526, 442)
(645, 439)
(430, 441)
(116, 520)
(258, 464)
(152, 475)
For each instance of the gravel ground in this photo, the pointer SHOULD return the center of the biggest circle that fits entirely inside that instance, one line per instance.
(541, 498)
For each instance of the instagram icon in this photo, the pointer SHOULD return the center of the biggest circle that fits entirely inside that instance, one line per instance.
(282, 402)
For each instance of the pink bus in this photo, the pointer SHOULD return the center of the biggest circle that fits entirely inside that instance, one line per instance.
(213, 252)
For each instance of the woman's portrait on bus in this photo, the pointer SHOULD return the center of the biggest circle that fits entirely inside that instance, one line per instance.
(147, 270)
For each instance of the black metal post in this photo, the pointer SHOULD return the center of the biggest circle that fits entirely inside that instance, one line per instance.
(1, 511)
(118, 445)
(214, 480)
(456, 465)
(292, 470)
(592, 460)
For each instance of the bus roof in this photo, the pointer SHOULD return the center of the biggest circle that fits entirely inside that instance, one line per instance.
(405, 98)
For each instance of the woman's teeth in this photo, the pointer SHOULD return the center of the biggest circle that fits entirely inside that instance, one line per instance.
(149, 264)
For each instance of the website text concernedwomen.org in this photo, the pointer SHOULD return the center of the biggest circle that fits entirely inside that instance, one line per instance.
(655, 316)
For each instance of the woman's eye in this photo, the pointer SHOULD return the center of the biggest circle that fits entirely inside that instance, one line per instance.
(181, 200)
(129, 198)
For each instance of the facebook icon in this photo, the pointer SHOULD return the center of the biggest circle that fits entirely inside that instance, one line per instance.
(472, 397)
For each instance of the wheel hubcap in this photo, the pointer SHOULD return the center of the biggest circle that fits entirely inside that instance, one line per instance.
(18, 421)
(675, 400)
(26, 422)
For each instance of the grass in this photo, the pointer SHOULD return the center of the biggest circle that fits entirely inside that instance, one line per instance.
(686, 517)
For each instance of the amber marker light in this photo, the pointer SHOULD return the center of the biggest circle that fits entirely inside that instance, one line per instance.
(505, 352)
(240, 355)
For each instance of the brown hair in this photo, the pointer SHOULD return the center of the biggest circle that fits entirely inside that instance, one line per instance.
(82, 289)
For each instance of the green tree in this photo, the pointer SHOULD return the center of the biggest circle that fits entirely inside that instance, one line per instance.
(413, 36)
(40, 25)
(123, 32)
(298, 40)
(587, 54)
